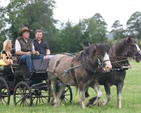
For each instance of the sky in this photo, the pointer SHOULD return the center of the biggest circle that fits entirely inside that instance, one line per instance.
(110, 10)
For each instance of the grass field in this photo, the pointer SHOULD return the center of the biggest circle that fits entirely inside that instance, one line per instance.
(131, 99)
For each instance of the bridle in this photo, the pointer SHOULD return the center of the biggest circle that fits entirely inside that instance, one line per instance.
(117, 60)
(101, 63)
(94, 65)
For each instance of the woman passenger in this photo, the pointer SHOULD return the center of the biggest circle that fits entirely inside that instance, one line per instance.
(6, 52)
(6, 56)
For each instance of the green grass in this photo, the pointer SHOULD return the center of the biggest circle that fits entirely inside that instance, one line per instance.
(131, 99)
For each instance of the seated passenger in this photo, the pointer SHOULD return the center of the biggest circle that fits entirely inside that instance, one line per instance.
(41, 45)
(25, 49)
(6, 56)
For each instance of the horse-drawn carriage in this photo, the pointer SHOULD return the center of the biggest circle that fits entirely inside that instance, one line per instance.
(81, 71)
(27, 89)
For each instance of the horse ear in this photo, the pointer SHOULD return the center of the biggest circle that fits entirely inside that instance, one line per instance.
(89, 44)
(95, 46)
(129, 39)
(83, 46)
(108, 45)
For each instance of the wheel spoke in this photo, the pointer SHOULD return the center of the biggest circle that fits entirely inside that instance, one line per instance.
(4, 92)
(22, 94)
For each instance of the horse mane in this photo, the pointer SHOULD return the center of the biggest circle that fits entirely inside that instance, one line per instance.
(91, 50)
(118, 48)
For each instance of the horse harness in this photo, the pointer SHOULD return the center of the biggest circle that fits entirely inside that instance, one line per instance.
(72, 67)
(87, 67)
(72, 71)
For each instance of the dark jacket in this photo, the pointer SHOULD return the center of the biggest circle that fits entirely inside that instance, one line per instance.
(25, 46)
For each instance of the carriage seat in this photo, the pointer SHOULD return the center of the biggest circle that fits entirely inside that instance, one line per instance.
(39, 65)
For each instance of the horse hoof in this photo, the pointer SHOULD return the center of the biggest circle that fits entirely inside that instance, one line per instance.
(79, 103)
(52, 104)
(87, 95)
(102, 103)
(89, 105)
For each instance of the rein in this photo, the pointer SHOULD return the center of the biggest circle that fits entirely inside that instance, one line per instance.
(120, 60)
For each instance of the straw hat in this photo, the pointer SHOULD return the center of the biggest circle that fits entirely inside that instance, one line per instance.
(23, 30)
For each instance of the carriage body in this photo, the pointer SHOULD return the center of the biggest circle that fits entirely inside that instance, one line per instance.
(26, 89)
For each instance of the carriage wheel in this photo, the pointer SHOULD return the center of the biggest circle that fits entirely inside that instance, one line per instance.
(66, 95)
(40, 95)
(22, 95)
(4, 92)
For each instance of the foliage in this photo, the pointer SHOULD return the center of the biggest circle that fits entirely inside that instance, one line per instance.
(134, 25)
(117, 30)
(91, 30)
(2, 26)
(69, 37)
(36, 14)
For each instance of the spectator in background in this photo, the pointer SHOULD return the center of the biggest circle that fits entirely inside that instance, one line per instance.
(41, 45)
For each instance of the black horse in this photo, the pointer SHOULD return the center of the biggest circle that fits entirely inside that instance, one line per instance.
(119, 55)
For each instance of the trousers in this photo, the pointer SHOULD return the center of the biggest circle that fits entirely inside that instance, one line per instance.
(27, 58)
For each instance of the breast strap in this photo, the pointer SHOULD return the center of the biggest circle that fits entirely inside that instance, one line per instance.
(72, 71)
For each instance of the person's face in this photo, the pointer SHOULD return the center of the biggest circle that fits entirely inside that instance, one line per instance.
(26, 34)
(39, 36)
(9, 45)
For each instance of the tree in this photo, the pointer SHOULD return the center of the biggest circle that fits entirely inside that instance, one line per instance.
(117, 30)
(101, 28)
(2, 27)
(35, 14)
(134, 25)
(94, 29)
(70, 38)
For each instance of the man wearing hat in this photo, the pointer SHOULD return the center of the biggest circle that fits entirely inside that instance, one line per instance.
(25, 49)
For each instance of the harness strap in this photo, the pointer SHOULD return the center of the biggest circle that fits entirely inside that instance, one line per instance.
(72, 71)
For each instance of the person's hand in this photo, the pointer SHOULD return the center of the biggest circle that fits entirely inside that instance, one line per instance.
(28, 52)
(36, 53)
(46, 57)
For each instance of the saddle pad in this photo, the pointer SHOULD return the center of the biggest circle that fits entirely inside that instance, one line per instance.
(53, 62)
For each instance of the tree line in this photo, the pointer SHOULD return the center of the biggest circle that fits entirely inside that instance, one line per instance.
(38, 14)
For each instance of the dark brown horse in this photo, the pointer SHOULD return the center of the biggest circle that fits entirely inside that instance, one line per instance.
(119, 56)
(80, 71)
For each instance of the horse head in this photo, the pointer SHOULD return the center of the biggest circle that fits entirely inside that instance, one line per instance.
(97, 56)
(121, 51)
(132, 49)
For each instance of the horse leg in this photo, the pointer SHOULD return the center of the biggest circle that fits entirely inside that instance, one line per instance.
(52, 87)
(82, 100)
(94, 100)
(53, 91)
(108, 95)
(119, 91)
(59, 91)
(87, 93)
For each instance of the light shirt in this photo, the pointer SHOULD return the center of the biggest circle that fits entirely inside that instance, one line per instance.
(18, 46)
